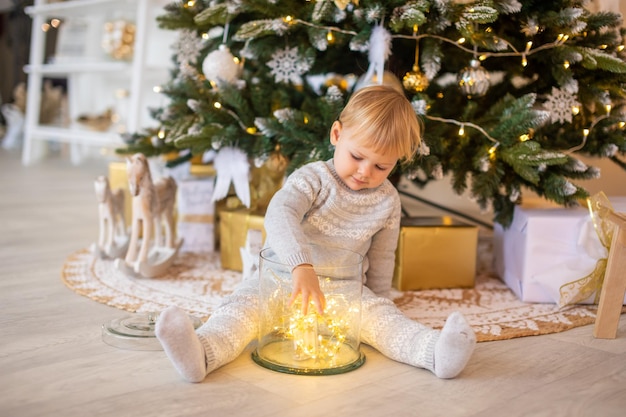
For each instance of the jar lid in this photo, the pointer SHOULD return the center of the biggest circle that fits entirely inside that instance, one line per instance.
(136, 331)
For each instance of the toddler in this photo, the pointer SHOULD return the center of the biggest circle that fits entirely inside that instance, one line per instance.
(345, 202)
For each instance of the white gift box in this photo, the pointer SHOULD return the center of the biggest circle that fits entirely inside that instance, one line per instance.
(545, 248)
(196, 215)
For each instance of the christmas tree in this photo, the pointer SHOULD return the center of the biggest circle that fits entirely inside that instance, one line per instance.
(510, 92)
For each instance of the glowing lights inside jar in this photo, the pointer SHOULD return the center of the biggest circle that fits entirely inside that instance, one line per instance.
(320, 337)
(293, 342)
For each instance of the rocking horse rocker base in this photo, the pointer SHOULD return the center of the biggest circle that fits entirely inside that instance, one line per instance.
(117, 250)
(157, 263)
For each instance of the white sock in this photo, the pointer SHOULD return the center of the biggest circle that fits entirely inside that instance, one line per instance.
(454, 346)
(182, 346)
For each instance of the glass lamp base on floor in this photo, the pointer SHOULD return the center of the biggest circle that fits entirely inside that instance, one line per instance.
(135, 332)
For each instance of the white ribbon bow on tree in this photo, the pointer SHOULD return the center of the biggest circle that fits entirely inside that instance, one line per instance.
(380, 49)
(232, 166)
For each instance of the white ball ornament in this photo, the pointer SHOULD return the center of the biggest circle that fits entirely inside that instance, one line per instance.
(221, 65)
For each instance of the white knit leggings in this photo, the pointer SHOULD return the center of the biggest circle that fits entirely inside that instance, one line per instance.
(383, 326)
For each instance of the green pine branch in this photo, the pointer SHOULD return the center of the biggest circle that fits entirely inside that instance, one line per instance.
(572, 50)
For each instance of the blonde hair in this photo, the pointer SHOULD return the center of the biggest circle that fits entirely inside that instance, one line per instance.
(386, 120)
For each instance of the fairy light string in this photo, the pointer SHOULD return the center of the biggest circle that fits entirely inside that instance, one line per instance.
(320, 338)
(511, 51)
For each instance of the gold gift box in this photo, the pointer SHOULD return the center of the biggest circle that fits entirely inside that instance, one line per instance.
(234, 226)
(435, 252)
(118, 178)
(199, 170)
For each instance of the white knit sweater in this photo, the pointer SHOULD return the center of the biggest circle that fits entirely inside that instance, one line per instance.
(315, 207)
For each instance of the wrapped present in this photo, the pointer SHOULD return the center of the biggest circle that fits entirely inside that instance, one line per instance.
(196, 215)
(435, 252)
(118, 178)
(546, 251)
(234, 226)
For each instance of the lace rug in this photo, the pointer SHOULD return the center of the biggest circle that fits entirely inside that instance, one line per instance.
(196, 284)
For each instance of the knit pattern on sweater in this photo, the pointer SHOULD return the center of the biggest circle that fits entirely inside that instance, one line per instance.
(315, 207)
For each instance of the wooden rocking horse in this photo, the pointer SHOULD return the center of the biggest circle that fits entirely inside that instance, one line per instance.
(113, 236)
(152, 211)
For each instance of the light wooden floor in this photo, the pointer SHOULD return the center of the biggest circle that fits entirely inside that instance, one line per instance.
(54, 363)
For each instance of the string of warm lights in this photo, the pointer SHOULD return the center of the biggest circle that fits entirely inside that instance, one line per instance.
(251, 130)
(462, 126)
(459, 43)
(513, 52)
(328, 29)
(586, 131)
(491, 151)
(528, 51)
(319, 337)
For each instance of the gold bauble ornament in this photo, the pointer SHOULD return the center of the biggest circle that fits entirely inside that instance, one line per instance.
(415, 81)
(473, 80)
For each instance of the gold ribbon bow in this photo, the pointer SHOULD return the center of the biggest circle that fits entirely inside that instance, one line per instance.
(574, 292)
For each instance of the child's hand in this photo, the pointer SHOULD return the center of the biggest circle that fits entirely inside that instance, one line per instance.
(305, 282)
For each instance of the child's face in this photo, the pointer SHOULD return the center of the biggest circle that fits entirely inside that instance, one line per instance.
(358, 166)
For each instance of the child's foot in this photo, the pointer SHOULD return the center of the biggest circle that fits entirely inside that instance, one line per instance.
(454, 346)
(181, 344)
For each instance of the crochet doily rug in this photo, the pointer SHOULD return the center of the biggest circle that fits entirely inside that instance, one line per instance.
(196, 284)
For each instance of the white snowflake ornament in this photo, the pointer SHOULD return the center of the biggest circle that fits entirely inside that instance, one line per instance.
(288, 65)
(187, 47)
(221, 65)
(559, 104)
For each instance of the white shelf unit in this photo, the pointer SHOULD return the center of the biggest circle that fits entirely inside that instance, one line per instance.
(93, 77)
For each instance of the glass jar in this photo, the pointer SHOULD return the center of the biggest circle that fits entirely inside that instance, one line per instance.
(326, 344)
